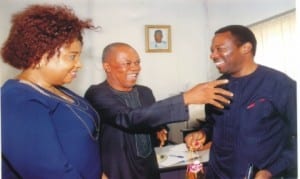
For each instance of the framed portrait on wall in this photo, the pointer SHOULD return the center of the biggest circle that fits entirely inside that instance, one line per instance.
(158, 38)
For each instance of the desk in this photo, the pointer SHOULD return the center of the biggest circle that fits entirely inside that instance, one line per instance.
(173, 159)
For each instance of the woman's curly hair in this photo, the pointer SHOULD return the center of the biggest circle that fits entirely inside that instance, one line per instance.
(41, 29)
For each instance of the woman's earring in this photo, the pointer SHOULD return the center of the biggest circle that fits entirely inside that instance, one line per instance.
(37, 66)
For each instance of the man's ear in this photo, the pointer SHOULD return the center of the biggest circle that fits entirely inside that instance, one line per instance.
(246, 48)
(106, 67)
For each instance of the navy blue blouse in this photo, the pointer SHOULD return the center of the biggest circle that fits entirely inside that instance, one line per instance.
(44, 136)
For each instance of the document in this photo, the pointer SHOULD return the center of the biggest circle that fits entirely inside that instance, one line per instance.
(178, 155)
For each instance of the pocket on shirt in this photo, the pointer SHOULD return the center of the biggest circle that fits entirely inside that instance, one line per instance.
(143, 145)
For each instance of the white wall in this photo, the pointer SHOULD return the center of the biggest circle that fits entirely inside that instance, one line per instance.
(192, 21)
(244, 12)
(192, 25)
(124, 21)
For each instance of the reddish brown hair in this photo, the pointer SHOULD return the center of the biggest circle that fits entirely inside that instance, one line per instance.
(41, 29)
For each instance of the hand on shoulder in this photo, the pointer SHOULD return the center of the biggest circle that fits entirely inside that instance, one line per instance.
(208, 93)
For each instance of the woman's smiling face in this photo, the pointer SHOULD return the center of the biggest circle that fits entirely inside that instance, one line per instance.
(63, 66)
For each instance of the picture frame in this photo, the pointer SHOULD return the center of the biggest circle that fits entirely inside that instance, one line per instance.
(158, 38)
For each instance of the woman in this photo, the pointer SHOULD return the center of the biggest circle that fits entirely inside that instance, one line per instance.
(47, 130)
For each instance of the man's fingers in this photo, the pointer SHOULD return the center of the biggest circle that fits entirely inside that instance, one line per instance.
(221, 99)
(162, 136)
(162, 143)
(220, 91)
(219, 82)
(223, 92)
(221, 95)
(217, 104)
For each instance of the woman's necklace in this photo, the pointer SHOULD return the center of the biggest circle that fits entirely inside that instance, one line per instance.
(71, 105)
(52, 89)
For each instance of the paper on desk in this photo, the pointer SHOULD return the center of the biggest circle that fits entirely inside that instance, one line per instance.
(179, 148)
(176, 154)
(171, 161)
(179, 154)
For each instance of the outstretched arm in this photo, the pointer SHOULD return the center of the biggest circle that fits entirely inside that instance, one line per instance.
(208, 93)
